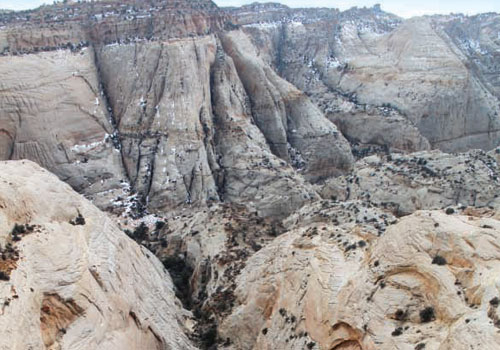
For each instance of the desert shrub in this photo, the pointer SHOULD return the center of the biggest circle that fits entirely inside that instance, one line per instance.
(427, 315)
(494, 302)
(398, 331)
(4, 276)
(159, 225)
(79, 220)
(209, 337)
(439, 260)
(400, 315)
(181, 273)
(18, 229)
(141, 232)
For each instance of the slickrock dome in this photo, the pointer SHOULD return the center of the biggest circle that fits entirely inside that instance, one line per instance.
(71, 279)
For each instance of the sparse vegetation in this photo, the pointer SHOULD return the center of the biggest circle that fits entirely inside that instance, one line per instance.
(79, 220)
(4, 276)
(427, 315)
(400, 315)
(20, 230)
(209, 337)
(139, 234)
(159, 225)
(397, 332)
(495, 302)
(439, 260)
(180, 272)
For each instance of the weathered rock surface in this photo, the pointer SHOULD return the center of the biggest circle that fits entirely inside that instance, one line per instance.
(71, 279)
(145, 104)
(190, 132)
(436, 73)
(234, 137)
(194, 116)
(429, 282)
(422, 180)
(54, 114)
(102, 22)
(205, 251)
(294, 122)
(221, 244)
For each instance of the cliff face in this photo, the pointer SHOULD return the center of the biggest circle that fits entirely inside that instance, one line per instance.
(432, 79)
(306, 290)
(356, 269)
(163, 105)
(140, 94)
(53, 113)
(104, 22)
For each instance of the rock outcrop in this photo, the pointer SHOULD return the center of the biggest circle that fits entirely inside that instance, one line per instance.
(163, 115)
(427, 283)
(433, 78)
(146, 92)
(191, 131)
(54, 114)
(424, 180)
(70, 279)
(327, 241)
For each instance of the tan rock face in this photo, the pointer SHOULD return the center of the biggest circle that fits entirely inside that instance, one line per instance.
(160, 95)
(54, 114)
(190, 133)
(437, 74)
(77, 286)
(294, 125)
(206, 250)
(430, 279)
(80, 24)
(273, 236)
(165, 121)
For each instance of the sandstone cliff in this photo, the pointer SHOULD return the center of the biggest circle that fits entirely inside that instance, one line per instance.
(423, 180)
(141, 91)
(156, 122)
(433, 78)
(262, 283)
(428, 283)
